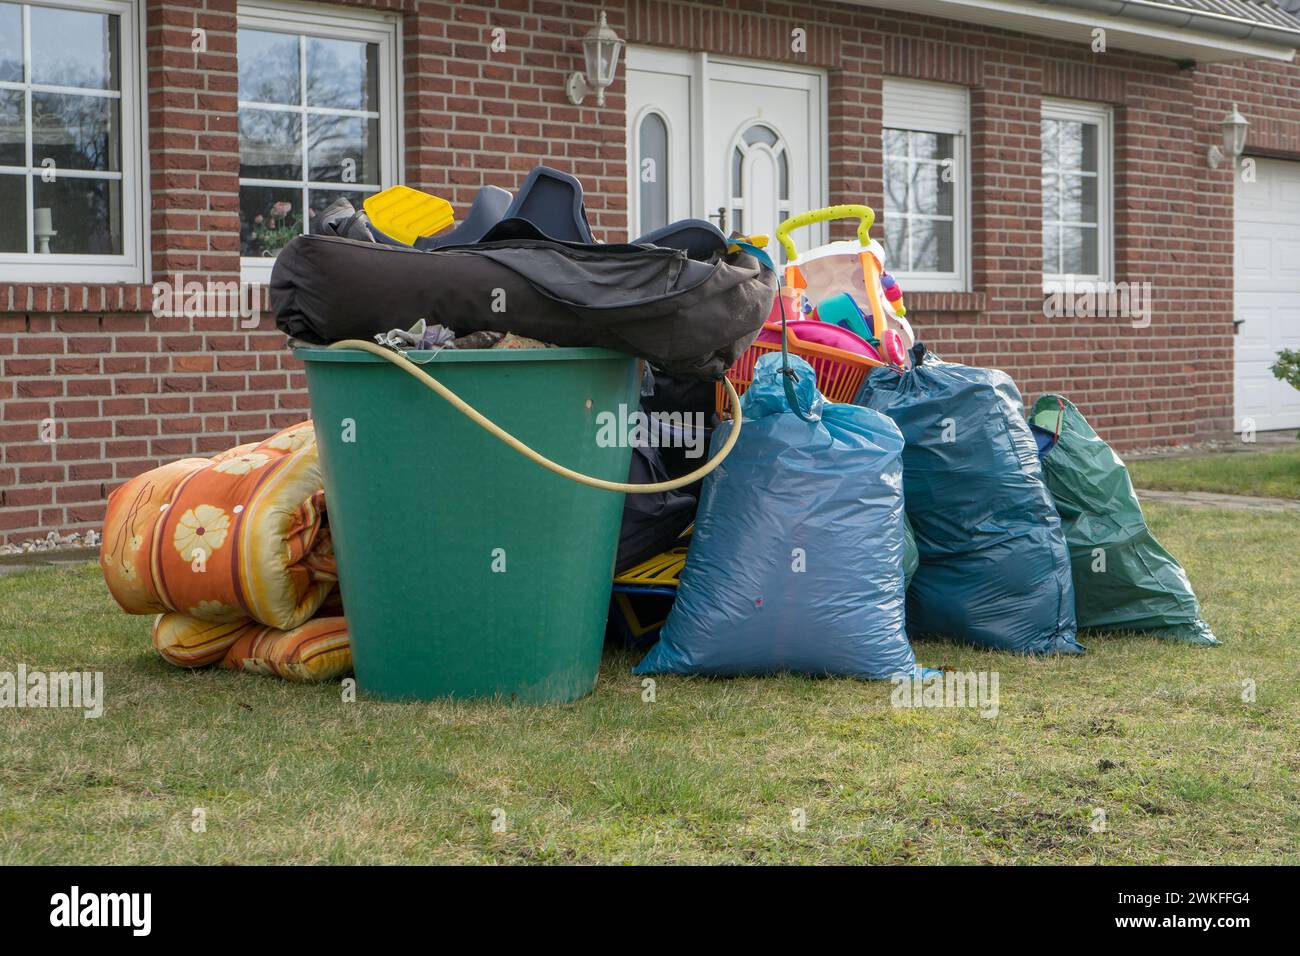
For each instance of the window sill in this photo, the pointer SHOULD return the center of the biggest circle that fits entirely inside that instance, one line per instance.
(930, 302)
(58, 297)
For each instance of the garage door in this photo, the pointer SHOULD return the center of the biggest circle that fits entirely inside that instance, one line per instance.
(1268, 293)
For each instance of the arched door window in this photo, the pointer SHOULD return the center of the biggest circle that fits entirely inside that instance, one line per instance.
(652, 172)
(759, 180)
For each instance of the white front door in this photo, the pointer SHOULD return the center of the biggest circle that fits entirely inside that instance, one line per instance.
(1267, 294)
(745, 143)
(660, 100)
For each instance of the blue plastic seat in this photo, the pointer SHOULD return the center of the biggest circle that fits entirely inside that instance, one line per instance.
(489, 208)
(552, 202)
(698, 238)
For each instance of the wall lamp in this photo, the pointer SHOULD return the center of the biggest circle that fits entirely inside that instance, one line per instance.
(1234, 127)
(600, 49)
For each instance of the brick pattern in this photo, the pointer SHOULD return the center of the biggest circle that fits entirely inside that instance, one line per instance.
(933, 60)
(1267, 93)
(129, 390)
(477, 116)
(1101, 80)
(757, 31)
(193, 138)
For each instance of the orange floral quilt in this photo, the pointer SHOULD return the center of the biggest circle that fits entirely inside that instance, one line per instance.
(233, 554)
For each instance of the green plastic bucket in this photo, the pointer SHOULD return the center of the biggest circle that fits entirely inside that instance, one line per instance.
(466, 569)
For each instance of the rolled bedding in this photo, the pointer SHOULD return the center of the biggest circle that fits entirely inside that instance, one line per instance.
(223, 540)
(319, 650)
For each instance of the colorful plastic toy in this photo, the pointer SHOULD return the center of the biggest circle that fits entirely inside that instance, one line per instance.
(842, 311)
(839, 371)
(821, 333)
(892, 346)
(893, 293)
(850, 266)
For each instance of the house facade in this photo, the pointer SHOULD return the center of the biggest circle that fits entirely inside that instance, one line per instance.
(1018, 153)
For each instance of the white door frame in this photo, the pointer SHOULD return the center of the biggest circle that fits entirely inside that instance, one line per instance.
(1272, 232)
(697, 67)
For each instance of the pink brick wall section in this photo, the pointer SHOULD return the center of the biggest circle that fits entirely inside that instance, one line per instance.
(131, 391)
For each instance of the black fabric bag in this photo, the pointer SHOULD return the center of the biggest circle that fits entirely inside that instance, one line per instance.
(651, 523)
(691, 402)
(688, 317)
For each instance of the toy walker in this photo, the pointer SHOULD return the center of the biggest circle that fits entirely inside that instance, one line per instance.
(855, 267)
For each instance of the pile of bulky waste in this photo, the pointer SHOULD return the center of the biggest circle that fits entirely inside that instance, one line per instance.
(809, 489)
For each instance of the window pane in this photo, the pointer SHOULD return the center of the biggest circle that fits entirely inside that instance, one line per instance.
(269, 216)
(737, 221)
(270, 144)
(1052, 249)
(931, 145)
(1051, 143)
(13, 214)
(896, 142)
(85, 215)
(896, 244)
(896, 185)
(758, 133)
(930, 194)
(1079, 146)
(11, 42)
(1088, 160)
(268, 67)
(783, 164)
(13, 129)
(1079, 250)
(77, 132)
(343, 74)
(737, 161)
(74, 48)
(931, 246)
(652, 172)
(1078, 198)
(1051, 197)
(336, 144)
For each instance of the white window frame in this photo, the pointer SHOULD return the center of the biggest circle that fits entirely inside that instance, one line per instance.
(339, 23)
(943, 108)
(1103, 116)
(131, 265)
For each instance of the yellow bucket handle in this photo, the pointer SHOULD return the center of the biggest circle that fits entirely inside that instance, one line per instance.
(865, 214)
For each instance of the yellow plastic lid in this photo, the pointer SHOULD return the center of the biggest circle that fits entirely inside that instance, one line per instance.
(406, 214)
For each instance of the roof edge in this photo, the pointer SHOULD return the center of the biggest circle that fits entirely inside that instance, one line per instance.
(1219, 24)
(1172, 33)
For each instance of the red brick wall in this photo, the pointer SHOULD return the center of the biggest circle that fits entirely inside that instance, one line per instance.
(130, 390)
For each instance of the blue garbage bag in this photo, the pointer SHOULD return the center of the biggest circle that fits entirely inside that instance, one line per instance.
(796, 563)
(994, 566)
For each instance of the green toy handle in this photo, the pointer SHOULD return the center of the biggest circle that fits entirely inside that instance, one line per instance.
(865, 214)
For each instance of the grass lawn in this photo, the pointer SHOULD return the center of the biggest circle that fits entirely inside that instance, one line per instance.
(1154, 733)
(1271, 474)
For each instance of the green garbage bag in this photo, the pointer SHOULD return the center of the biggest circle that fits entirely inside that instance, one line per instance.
(1123, 578)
